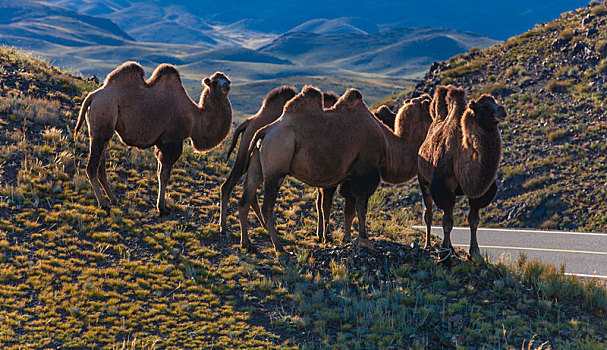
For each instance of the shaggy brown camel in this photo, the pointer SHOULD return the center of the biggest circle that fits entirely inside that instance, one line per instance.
(460, 156)
(320, 147)
(400, 165)
(385, 114)
(157, 112)
(270, 110)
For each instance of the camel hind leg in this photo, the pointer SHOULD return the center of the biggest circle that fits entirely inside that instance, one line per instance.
(96, 154)
(226, 189)
(474, 218)
(166, 154)
(253, 180)
(102, 176)
(427, 198)
(349, 209)
(324, 202)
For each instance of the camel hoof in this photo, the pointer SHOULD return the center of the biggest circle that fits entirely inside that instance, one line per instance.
(164, 212)
(249, 248)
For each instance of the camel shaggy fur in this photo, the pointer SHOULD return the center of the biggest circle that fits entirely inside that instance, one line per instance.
(460, 156)
(157, 112)
(270, 110)
(320, 147)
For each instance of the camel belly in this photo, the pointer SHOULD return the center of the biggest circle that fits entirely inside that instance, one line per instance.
(319, 171)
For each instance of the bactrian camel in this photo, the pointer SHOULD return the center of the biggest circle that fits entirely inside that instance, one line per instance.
(460, 156)
(320, 147)
(270, 110)
(400, 162)
(157, 112)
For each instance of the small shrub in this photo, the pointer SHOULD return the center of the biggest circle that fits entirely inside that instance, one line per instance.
(556, 86)
(600, 10)
(602, 67)
(566, 34)
(601, 47)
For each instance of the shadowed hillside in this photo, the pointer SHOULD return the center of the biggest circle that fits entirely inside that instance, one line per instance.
(75, 276)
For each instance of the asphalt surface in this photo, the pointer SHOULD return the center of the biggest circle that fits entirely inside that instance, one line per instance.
(584, 254)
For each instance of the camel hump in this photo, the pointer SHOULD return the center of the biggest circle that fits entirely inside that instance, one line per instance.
(329, 98)
(128, 71)
(310, 99)
(164, 71)
(280, 95)
(351, 98)
(439, 108)
(455, 94)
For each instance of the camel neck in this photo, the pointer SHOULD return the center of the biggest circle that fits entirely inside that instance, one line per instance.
(212, 123)
(401, 153)
(484, 147)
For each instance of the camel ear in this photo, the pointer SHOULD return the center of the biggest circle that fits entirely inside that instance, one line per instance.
(207, 81)
(472, 105)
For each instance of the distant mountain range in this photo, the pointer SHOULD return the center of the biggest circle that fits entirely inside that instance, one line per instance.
(254, 41)
(495, 19)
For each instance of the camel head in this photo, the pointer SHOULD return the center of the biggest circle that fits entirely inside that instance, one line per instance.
(486, 111)
(309, 99)
(329, 98)
(351, 98)
(415, 113)
(385, 114)
(218, 84)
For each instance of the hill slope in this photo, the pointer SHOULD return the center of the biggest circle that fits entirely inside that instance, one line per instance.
(398, 52)
(552, 82)
(74, 276)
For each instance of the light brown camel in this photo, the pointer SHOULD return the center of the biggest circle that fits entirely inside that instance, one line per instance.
(270, 110)
(320, 147)
(460, 156)
(157, 112)
(400, 164)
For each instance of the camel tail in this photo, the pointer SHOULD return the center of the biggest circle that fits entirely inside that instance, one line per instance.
(83, 110)
(239, 130)
(259, 135)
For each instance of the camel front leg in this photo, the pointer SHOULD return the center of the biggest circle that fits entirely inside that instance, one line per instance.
(166, 154)
(102, 176)
(361, 211)
(271, 187)
(96, 151)
(474, 217)
(427, 198)
(445, 200)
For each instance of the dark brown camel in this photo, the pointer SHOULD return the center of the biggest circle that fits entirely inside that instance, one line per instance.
(460, 156)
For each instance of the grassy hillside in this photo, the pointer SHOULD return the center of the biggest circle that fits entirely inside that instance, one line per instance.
(74, 276)
(552, 82)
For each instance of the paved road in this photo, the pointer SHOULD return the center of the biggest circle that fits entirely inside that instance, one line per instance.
(584, 254)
